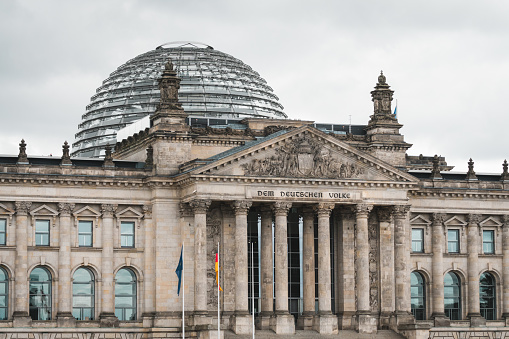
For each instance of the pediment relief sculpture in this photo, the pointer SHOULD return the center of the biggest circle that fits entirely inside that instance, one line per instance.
(303, 158)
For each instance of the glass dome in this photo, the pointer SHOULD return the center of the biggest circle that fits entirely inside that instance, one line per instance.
(214, 85)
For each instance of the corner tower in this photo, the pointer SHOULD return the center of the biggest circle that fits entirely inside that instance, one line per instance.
(384, 140)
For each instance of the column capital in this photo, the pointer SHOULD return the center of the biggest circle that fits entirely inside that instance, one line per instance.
(65, 208)
(474, 219)
(23, 207)
(384, 214)
(281, 207)
(324, 208)
(200, 205)
(400, 211)
(362, 210)
(439, 219)
(241, 207)
(108, 209)
(185, 210)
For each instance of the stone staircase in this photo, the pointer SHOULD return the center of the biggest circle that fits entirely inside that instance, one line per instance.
(382, 334)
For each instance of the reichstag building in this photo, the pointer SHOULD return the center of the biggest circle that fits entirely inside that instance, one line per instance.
(320, 227)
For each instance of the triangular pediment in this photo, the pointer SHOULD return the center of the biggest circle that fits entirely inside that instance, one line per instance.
(455, 221)
(490, 222)
(305, 153)
(4, 210)
(129, 212)
(87, 211)
(44, 210)
(420, 220)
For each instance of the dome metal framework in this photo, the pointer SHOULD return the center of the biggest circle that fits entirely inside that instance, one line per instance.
(214, 85)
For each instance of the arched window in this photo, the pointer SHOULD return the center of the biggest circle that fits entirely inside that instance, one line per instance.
(418, 296)
(40, 294)
(125, 294)
(83, 294)
(4, 294)
(487, 290)
(452, 296)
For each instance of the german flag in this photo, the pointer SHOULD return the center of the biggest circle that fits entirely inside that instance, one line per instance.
(217, 271)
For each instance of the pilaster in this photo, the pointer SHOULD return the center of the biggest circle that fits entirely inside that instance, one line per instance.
(474, 313)
(149, 266)
(283, 322)
(266, 269)
(64, 314)
(241, 323)
(365, 322)
(437, 271)
(505, 268)
(387, 285)
(20, 314)
(107, 316)
(305, 320)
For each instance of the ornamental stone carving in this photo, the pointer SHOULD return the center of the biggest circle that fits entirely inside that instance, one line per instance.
(324, 209)
(302, 157)
(373, 265)
(23, 207)
(147, 211)
(65, 209)
(22, 156)
(505, 220)
(401, 211)
(384, 214)
(439, 219)
(474, 219)
(108, 210)
(281, 207)
(200, 206)
(241, 206)
(185, 210)
(362, 210)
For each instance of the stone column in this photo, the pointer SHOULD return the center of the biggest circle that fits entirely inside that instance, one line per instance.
(241, 321)
(387, 293)
(283, 322)
(325, 323)
(107, 316)
(149, 263)
(347, 316)
(505, 268)
(365, 322)
(402, 265)
(305, 321)
(20, 314)
(266, 269)
(474, 308)
(200, 207)
(64, 314)
(437, 271)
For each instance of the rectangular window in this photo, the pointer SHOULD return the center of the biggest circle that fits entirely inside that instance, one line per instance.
(3, 231)
(417, 240)
(127, 234)
(453, 241)
(42, 233)
(85, 233)
(488, 242)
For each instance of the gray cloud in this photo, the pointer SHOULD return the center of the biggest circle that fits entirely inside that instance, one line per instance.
(447, 61)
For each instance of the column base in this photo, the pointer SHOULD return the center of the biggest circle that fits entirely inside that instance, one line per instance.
(346, 320)
(65, 319)
(476, 320)
(108, 320)
(366, 323)
(440, 320)
(305, 321)
(262, 322)
(283, 324)
(21, 319)
(242, 323)
(326, 324)
(404, 318)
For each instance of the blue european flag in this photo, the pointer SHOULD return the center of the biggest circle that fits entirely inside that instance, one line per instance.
(179, 269)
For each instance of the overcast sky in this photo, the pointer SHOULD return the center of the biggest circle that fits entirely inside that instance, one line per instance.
(447, 61)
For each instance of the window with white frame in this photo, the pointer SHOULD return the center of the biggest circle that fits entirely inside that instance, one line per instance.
(453, 241)
(42, 232)
(488, 242)
(127, 234)
(85, 235)
(3, 232)
(417, 240)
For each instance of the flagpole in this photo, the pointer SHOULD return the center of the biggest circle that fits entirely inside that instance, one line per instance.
(183, 296)
(252, 288)
(218, 300)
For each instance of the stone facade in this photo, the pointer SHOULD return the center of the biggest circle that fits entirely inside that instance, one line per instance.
(368, 227)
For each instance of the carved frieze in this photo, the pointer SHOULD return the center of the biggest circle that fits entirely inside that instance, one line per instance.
(474, 219)
(303, 157)
(108, 210)
(438, 219)
(147, 211)
(23, 207)
(65, 209)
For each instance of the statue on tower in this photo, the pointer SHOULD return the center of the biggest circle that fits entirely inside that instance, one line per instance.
(382, 97)
(169, 85)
